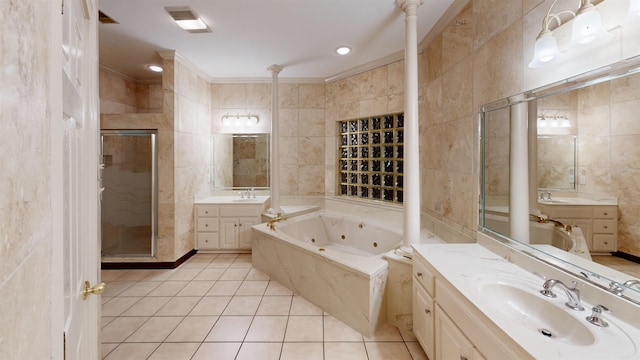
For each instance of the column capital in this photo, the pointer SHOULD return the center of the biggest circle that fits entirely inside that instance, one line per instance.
(275, 69)
(407, 5)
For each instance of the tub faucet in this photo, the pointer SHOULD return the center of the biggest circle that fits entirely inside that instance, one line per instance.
(631, 282)
(270, 223)
(573, 294)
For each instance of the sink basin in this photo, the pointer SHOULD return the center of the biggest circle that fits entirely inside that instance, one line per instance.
(553, 201)
(541, 316)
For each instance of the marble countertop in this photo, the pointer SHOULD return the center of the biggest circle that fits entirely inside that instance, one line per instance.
(467, 266)
(234, 200)
(579, 201)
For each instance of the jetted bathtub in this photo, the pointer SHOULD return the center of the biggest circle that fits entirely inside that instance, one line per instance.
(331, 259)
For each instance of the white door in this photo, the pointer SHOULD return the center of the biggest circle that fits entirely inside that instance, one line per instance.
(75, 174)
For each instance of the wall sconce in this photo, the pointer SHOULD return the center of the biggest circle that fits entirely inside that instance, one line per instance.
(586, 27)
(240, 120)
(554, 121)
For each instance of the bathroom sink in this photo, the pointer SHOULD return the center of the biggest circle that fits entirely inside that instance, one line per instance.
(553, 201)
(535, 312)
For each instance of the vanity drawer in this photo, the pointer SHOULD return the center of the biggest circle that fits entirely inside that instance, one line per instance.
(206, 211)
(207, 240)
(207, 224)
(244, 210)
(604, 212)
(571, 212)
(423, 275)
(604, 226)
(604, 242)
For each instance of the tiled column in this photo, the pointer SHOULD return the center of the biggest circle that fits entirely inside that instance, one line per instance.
(411, 131)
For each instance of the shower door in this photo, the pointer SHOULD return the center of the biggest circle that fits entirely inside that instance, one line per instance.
(129, 199)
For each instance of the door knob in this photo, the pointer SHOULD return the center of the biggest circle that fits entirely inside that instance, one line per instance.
(96, 289)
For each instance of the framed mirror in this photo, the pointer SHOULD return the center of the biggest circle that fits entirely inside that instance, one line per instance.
(240, 161)
(593, 160)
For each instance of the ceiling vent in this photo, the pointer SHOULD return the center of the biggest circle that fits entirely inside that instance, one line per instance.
(187, 19)
(105, 19)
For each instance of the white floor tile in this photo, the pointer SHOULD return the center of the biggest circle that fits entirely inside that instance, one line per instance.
(300, 306)
(193, 329)
(304, 329)
(168, 288)
(230, 328)
(276, 288)
(336, 330)
(141, 288)
(234, 274)
(274, 305)
(147, 306)
(262, 351)
(118, 305)
(178, 306)
(196, 288)
(217, 351)
(267, 329)
(243, 305)
(134, 351)
(387, 350)
(174, 351)
(345, 351)
(302, 351)
(211, 305)
(210, 274)
(119, 329)
(156, 329)
(252, 288)
(222, 288)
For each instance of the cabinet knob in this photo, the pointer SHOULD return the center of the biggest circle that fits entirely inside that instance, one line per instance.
(462, 357)
(606, 243)
(427, 311)
(606, 213)
(605, 226)
(206, 241)
(206, 225)
(419, 274)
(235, 225)
(207, 211)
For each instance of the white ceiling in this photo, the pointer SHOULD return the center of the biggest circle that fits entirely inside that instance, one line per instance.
(250, 35)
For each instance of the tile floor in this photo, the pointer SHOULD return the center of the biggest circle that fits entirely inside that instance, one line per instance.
(623, 265)
(219, 307)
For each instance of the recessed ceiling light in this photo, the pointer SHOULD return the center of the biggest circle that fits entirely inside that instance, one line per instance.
(155, 68)
(343, 50)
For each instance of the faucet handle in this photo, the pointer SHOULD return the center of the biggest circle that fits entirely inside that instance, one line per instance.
(596, 316)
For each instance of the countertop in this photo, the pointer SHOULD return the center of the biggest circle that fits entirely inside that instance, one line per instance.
(467, 266)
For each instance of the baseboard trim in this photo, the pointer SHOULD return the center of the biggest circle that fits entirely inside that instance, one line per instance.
(147, 265)
(624, 255)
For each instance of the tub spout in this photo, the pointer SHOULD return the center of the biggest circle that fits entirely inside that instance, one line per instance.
(270, 223)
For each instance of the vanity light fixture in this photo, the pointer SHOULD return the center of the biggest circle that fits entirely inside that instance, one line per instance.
(343, 50)
(240, 120)
(187, 19)
(554, 121)
(586, 27)
(155, 68)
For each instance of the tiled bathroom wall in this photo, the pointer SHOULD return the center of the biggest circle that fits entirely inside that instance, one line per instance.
(183, 152)
(26, 225)
(121, 95)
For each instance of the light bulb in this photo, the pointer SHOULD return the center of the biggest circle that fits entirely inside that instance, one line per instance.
(587, 26)
(545, 49)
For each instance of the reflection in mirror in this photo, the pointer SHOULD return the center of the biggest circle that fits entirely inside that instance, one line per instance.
(557, 162)
(587, 171)
(240, 161)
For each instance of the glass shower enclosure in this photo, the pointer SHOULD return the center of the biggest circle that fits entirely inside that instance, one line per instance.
(129, 199)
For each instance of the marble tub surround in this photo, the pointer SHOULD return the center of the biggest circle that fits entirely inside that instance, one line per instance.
(469, 268)
(350, 287)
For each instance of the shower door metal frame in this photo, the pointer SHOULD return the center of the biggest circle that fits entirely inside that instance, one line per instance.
(154, 182)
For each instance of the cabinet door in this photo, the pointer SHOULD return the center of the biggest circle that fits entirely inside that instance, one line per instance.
(423, 318)
(244, 232)
(451, 344)
(228, 235)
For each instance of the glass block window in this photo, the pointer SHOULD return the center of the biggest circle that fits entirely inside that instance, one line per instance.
(370, 154)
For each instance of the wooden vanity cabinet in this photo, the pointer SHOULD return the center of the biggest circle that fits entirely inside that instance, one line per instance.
(221, 228)
(599, 223)
(448, 326)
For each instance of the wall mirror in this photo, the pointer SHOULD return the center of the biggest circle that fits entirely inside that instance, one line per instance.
(240, 161)
(557, 156)
(602, 139)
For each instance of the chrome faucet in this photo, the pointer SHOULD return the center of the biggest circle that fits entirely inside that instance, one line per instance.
(573, 294)
(631, 282)
(596, 316)
(542, 195)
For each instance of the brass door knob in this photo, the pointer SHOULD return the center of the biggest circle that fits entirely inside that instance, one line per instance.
(96, 289)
